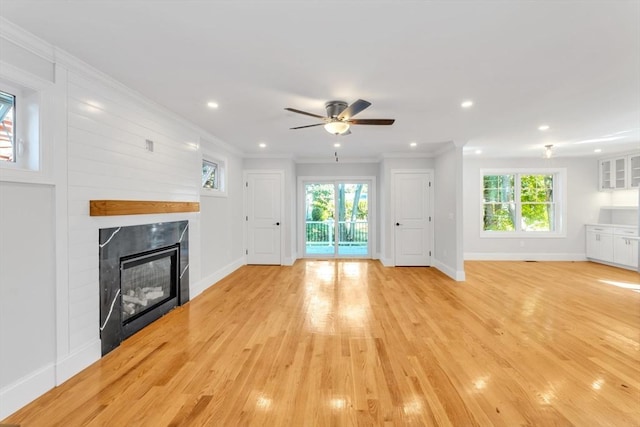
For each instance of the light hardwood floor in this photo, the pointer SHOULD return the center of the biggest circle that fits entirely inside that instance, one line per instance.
(353, 343)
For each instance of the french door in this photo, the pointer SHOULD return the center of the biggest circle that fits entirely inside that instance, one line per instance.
(336, 219)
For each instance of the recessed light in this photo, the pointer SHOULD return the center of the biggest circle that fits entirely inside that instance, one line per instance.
(543, 127)
(478, 151)
(598, 150)
(413, 144)
(262, 145)
(212, 104)
(337, 144)
(467, 104)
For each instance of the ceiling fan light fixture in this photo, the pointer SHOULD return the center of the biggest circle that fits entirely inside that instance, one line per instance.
(336, 127)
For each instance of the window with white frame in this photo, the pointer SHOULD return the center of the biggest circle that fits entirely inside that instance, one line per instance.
(523, 202)
(7, 127)
(214, 176)
(19, 127)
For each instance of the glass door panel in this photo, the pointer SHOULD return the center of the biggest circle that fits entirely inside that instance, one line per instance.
(353, 219)
(319, 222)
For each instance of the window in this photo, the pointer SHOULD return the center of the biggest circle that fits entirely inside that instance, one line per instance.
(20, 148)
(7, 121)
(28, 122)
(213, 177)
(522, 203)
(210, 175)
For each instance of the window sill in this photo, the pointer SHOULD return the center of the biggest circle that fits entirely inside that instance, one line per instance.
(212, 193)
(521, 235)
(14, 173)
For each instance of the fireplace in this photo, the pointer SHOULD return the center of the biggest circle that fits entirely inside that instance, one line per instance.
(149, 287)
(143, 275)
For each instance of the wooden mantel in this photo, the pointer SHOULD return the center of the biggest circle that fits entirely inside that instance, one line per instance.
(138, 207)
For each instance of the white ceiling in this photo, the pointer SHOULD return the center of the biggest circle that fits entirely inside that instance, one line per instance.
(572, 65)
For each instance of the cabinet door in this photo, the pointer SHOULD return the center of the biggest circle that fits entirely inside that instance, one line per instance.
(605, 243)
(625, 251)
(599, 246)
(620, 171)
(634, 171)
(592, 245)
(606, 179)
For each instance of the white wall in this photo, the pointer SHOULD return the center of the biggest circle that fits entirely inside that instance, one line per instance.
(27, 293)
(448, 238)
(334, 169)
(107, 159)
(221, 222)
(28, 237)
(583, 206)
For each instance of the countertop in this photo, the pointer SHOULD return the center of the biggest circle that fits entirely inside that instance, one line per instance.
(631, 227)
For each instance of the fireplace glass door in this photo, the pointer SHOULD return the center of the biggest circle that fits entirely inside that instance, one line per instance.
(147, 282)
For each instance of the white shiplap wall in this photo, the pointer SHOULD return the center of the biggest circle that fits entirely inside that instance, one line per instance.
(107, 159)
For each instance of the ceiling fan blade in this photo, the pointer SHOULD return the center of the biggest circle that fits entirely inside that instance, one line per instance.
(305, 113)
(308, 126)
(371, 121)
(354, 109)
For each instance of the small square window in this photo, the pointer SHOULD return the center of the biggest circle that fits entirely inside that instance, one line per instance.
(214, 176)
(210, 175)
(7, 127)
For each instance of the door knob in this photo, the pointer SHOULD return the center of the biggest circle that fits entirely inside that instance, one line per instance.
(277, 223)
(397, 224)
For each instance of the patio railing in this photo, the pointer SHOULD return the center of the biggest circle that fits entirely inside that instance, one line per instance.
(349, 232)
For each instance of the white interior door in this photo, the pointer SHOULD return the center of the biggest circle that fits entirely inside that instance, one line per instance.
(412, 210)
(264, 218)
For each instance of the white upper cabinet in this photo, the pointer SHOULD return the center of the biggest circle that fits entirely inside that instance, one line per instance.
(634, 171)
(619, 173)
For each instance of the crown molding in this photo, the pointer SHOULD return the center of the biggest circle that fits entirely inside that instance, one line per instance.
(269, 156)
(20, 37)
(22, 77)
(413, 155)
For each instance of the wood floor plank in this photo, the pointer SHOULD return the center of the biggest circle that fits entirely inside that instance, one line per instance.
(352, 343)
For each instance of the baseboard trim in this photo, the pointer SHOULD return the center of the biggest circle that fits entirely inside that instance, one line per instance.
(515, 256)
(26, 389)
(612, 264)
(386, 262)
(288, 261)
(457, 275)
(78, 360)
(205, 283)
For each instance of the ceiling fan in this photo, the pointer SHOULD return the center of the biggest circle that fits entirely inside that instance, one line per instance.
(340, 117)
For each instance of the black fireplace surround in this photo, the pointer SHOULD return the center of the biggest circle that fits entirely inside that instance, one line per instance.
(144, 273)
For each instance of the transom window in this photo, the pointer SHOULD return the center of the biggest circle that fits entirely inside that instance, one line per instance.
(522, 203)
(7, 126)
